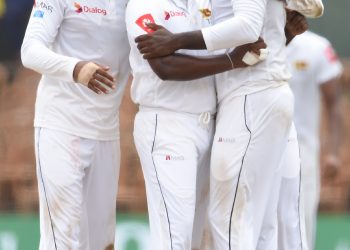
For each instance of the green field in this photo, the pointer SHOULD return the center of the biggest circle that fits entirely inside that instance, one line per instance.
(21, 232)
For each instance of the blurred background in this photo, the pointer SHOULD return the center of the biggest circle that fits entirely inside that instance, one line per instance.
(19, 224)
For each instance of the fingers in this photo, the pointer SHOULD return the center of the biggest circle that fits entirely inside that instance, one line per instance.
(142, 38)
(104, 80)
(97, 87)
(154, 26)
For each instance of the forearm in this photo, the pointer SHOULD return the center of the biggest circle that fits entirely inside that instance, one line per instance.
(180, 67)
(38, 57)
(192, 40)
(333, 120)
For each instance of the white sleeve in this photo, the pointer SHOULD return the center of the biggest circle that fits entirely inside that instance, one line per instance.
(244, 27)
(329, 66)
(43, 26)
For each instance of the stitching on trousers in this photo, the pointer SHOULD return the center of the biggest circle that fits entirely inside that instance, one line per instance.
(42, 180)
(240, 170)
(299, 200)
(160, 187)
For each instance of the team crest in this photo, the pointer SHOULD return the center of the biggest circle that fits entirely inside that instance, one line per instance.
(301, 65)
(206, 13)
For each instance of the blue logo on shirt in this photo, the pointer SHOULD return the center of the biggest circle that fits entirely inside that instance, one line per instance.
(39, 13)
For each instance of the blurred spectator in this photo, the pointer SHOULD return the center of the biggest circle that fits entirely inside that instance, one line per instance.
(14, 16)
(316, 70)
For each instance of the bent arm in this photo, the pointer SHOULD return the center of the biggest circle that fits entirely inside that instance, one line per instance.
(179, 67)
(41, 32)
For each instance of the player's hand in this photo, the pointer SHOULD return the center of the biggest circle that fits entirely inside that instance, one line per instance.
(331, 166)
(94, 76)
(296, 23)
(238, 53)
(156, 44)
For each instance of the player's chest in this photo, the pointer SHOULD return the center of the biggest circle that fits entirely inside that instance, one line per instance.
(94, 15)
(180, 16)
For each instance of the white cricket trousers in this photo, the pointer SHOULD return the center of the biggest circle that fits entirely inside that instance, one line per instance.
(251, 136)
(174, 149)
(77, 180)
(291, 220)
(310, 190)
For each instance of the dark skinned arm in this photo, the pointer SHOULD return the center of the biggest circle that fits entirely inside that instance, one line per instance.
(296, 25)
(163, 42)
(330, 93)
(181, 67)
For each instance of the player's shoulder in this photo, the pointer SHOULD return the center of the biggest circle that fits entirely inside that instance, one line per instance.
(314, 40)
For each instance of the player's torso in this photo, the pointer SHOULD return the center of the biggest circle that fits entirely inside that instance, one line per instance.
(148, 90)
(271, 72)
(302, 61)
(91, 30)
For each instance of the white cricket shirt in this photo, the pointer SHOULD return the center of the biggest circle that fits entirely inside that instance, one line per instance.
(148, 90)
(61, 33)
(239, 22)
(312, 62)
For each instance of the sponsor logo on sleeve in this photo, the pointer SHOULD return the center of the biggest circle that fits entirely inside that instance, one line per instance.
(39, 14)
(87, 9)
(143, 20)
(206, 13)
(331, 55)
(43, 6)
(170, 14)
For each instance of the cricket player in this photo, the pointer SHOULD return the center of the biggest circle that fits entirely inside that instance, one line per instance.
(315, 68)
(81, 50)
(174, 126)
(254, 122)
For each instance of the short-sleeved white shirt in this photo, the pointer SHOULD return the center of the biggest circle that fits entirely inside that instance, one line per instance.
(62, 32)
(148, 90)
(312, 62)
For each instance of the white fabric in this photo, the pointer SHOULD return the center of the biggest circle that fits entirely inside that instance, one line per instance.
(291, 219)
(60, 33)
(72, 173)
(247, 22)
(148, 89)
(312, 62)
(273, 71)
(251, 136)
(174, 151)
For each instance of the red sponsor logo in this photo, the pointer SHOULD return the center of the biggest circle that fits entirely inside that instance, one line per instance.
(174, 158)
(86, 9)
(331, 55)
(143, 20)
(169, 14)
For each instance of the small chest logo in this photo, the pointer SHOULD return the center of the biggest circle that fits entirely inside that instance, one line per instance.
(91, 10)
(170, 14)
(206, 13)
(301, 65)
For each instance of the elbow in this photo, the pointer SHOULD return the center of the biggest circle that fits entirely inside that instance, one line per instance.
(160, 68)
(25, 55)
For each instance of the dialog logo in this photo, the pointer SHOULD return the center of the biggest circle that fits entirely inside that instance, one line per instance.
(91, 10)
(78, 8)
(143, 20)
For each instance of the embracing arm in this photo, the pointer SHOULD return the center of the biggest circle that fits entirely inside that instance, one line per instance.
(181, 67)
(245, 27)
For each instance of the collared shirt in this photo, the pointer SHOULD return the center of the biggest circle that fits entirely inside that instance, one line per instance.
(148, 89)
(312, 62)
(61, 33)
(242, 21)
